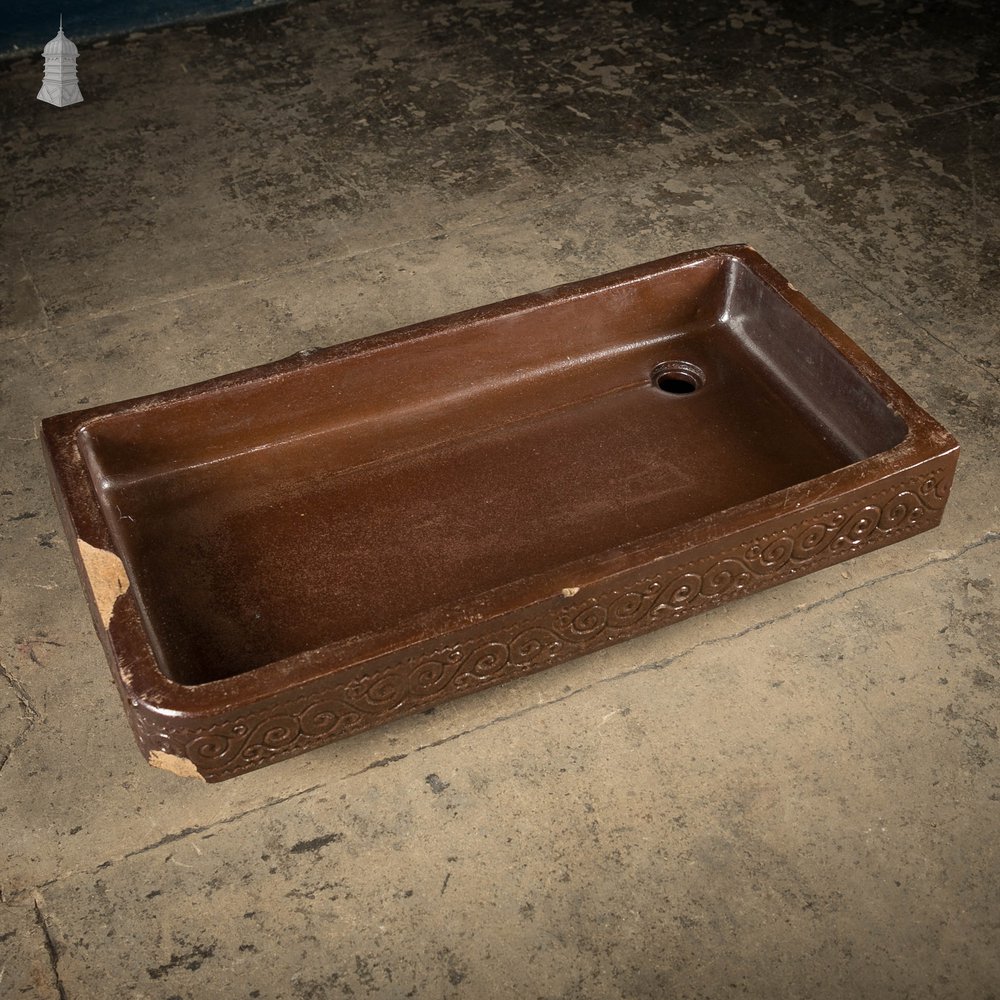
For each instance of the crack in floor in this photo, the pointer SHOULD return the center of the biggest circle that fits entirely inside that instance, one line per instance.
(50, 945)
(30, 716)
(170, 838)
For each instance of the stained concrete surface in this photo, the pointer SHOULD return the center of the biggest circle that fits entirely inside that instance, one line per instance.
(795, 795)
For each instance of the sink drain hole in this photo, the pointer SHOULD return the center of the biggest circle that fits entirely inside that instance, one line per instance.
(678, 378)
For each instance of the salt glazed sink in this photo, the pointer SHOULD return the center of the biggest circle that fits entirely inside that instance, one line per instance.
(298, 552)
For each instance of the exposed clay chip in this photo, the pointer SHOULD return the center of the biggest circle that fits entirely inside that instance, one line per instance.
(177, 765)
(108, 580)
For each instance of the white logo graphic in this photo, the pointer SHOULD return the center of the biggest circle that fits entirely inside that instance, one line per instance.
(59, 85)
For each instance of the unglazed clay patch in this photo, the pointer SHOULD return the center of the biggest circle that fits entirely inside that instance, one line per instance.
(176, 765)
(107, 577)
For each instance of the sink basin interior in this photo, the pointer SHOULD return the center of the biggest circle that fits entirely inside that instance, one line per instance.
(415, 471)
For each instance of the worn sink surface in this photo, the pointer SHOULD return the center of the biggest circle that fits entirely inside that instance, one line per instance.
(297, 552)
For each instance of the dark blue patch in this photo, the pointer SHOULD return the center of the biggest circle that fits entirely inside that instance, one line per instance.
(28, 25)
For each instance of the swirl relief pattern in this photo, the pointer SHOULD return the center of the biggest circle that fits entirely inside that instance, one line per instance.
(558, 634)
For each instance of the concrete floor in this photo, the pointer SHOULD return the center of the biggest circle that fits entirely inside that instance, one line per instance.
(795, 795)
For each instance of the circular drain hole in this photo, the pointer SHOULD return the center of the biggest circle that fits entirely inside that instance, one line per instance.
(678, 378)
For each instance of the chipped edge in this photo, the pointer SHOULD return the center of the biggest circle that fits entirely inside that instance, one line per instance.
(106, 576)
(180, 766)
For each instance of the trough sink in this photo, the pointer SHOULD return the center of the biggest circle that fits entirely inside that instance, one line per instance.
(298, 552)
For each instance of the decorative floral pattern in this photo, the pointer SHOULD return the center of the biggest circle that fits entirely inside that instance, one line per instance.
(558, 634)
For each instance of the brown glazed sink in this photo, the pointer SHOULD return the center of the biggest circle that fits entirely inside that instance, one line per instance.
(298, 552)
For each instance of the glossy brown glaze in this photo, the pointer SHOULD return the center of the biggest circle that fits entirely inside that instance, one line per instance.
(301, 551)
